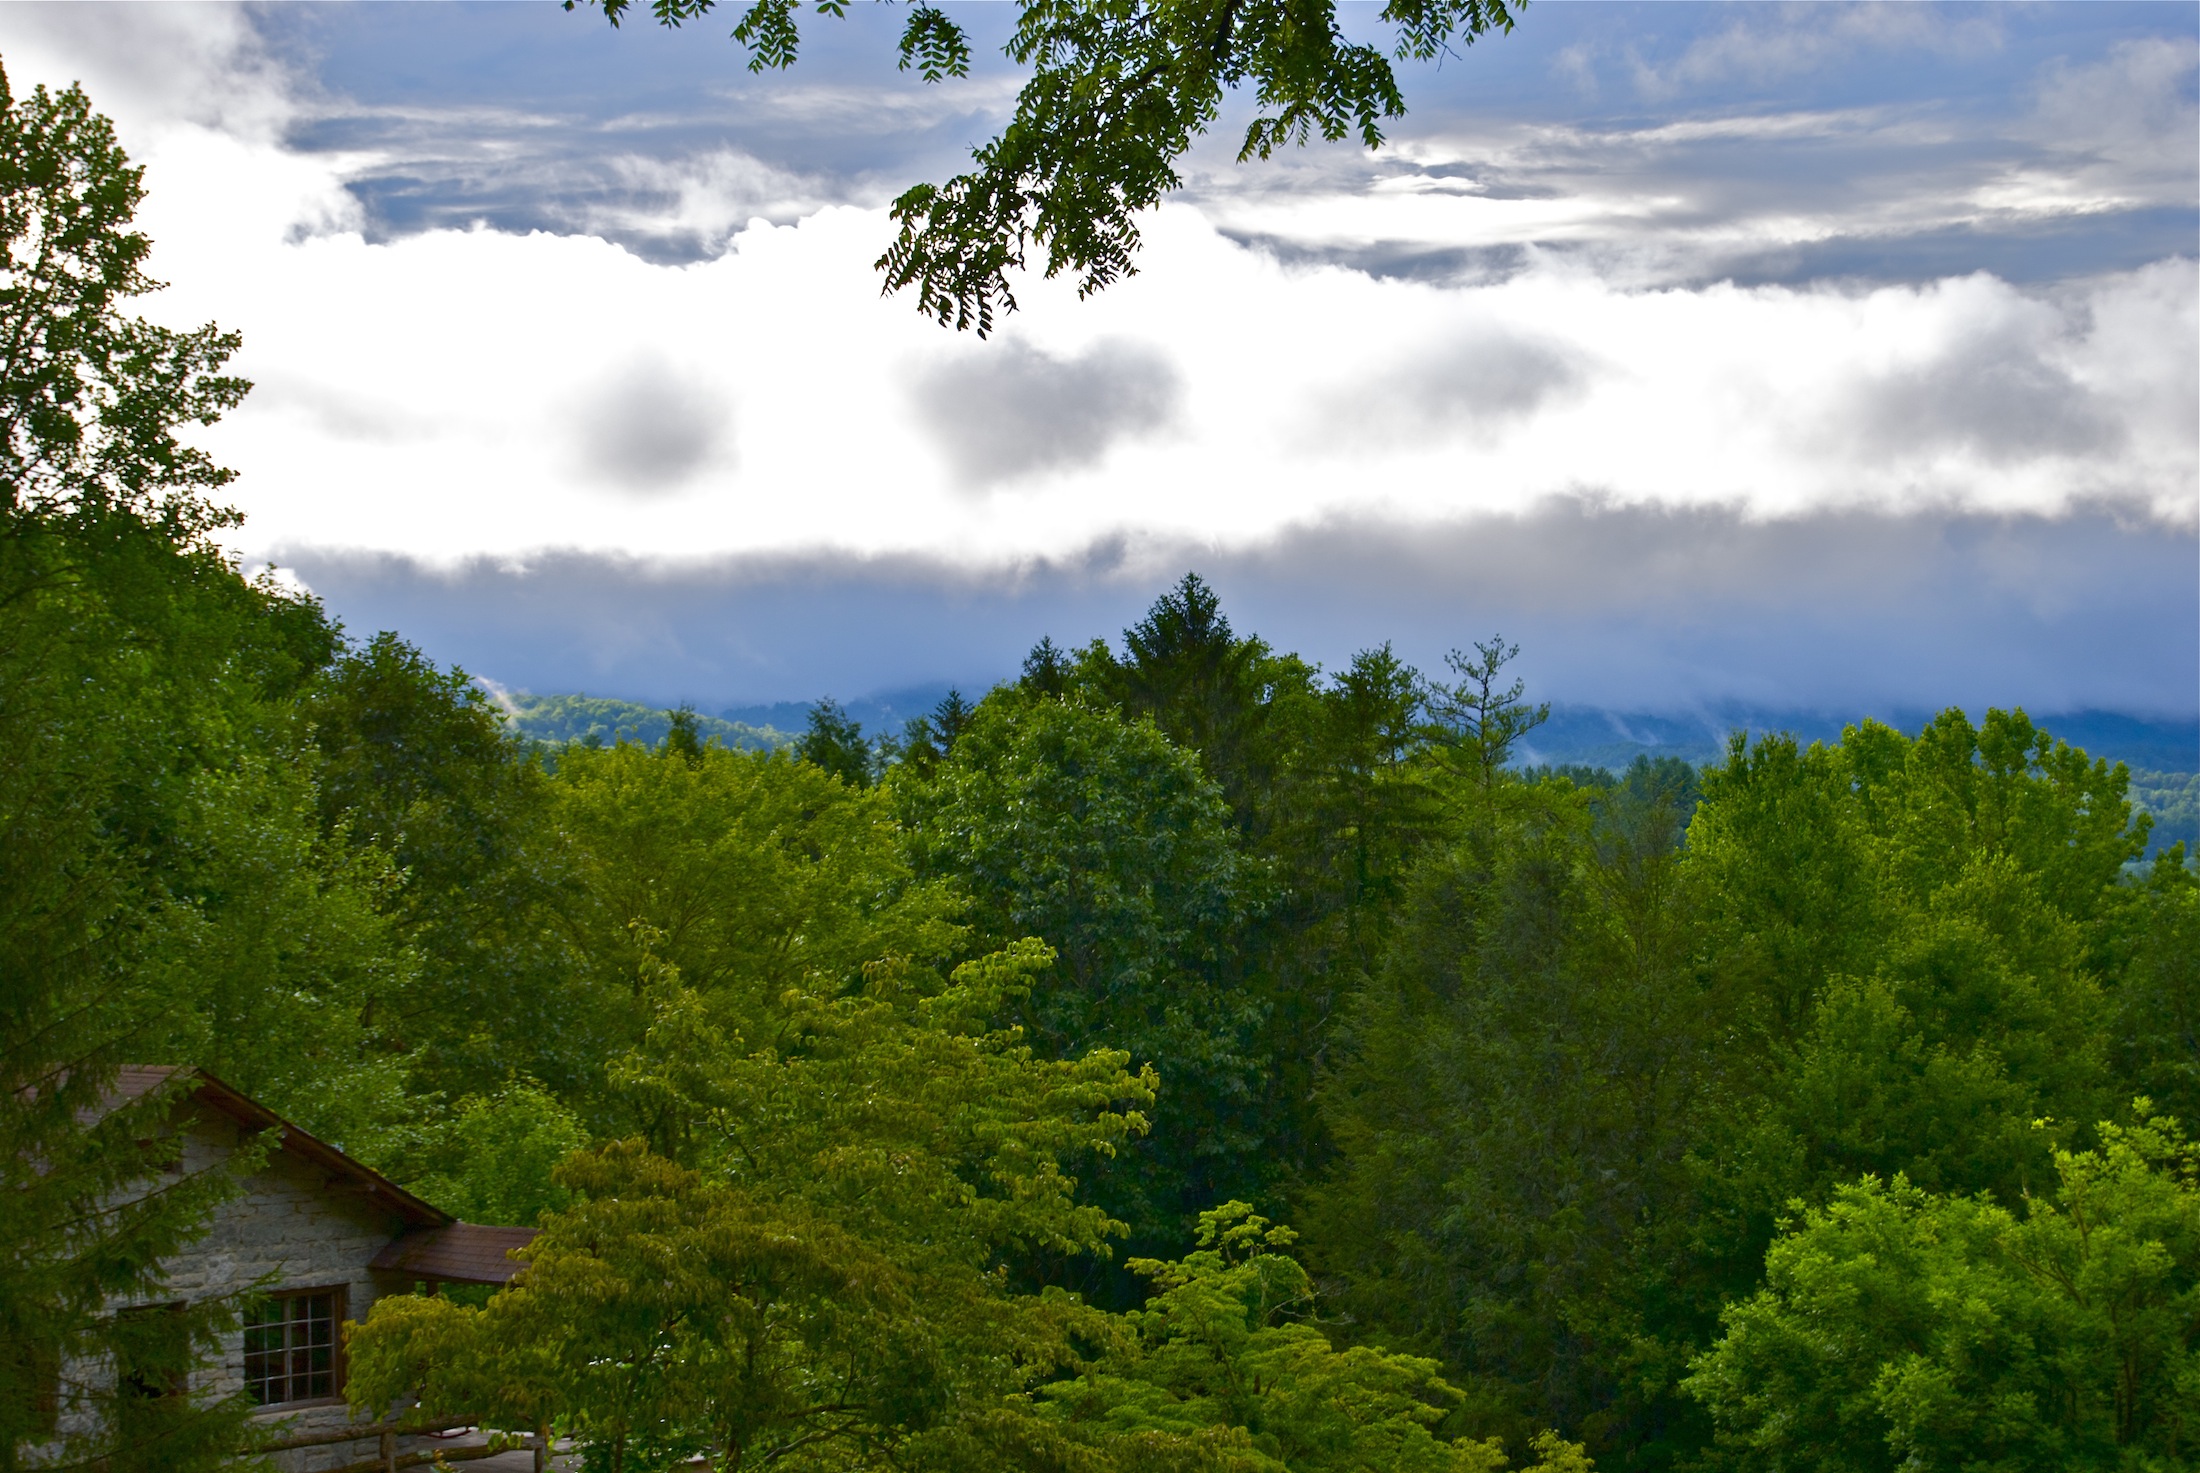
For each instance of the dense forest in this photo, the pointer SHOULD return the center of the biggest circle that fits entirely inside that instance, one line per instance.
(1180, 1057)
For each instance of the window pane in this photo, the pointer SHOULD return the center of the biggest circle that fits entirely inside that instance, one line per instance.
(290, 1349)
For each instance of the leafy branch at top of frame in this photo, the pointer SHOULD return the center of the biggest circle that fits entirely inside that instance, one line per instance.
(1118, 93)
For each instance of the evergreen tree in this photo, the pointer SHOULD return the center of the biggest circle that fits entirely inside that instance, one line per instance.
(1476, 718)
(682, 738)
(834, 741)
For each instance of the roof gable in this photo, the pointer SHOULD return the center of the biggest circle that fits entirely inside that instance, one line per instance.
(137, 1080)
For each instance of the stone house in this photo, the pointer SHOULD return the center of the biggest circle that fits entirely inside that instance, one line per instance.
(324, 1236)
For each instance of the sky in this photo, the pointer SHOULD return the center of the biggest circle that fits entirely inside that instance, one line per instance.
(1832, 357)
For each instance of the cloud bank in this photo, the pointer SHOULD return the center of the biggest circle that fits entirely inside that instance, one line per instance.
(1635, 607)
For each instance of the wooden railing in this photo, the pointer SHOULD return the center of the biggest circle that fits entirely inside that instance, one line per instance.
(388, 1459)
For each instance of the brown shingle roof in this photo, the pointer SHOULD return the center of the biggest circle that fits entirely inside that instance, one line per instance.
(462, 1253)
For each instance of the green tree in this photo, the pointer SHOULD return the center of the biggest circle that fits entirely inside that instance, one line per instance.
(414, 764)
(494, 1157)
(1062, 820)
(1476, 717)
(94, 399)
(750, 873)
(1910, 935)
(1600, 1064)
(1229, 1343)
(2157, 999)
(1118, 93)
(132, 658)
(926, 739)
(1903, 1329)
(834, 742)
(1515, 1105)
(815, 1279)
(683, 736)
(1329, 791)
(283, 963)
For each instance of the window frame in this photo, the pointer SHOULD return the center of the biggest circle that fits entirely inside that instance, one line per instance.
(339, 1306)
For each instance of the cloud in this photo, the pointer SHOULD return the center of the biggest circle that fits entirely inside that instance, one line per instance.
(1474, 384)
(341, 414)
(657, 140)
(697, 202)
(478, 392)
(2135, 107)
(1993, 396)
(1005, 411)
(1790, 144)
(151, 67)
(1636, 607)
(1771, 44)
(650, 427)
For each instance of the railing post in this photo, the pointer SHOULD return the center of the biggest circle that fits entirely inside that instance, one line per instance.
(388, 1450)
(542, 1450)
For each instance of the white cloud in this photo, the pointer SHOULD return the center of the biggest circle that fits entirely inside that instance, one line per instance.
(1773, 398)
(702, 200)
(151, 66)
(461, 392)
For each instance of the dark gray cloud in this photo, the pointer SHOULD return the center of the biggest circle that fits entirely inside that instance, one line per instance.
(2039, 251)
(1994, 396)
(1628, 607)
(648, 429)
(1473, 385)
(1005, 410)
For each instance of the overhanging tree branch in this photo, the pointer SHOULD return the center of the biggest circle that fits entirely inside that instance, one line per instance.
(1119, 91)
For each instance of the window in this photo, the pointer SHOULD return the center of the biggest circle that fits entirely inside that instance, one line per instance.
(152, 1353)
(290, 1347)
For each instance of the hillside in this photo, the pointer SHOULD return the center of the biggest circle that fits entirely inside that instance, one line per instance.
(2174, 800)
(563, 720)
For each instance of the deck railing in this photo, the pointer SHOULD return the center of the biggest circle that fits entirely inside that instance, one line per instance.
(388, 1459)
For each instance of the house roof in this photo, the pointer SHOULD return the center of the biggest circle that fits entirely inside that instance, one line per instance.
(462, 1253)
(138, 1080)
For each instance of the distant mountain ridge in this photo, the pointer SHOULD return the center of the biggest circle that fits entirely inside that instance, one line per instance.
(1599, 737)
(881, 713)
(2164, 756)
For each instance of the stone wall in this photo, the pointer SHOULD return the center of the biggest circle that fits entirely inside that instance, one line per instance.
(290, 1228)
